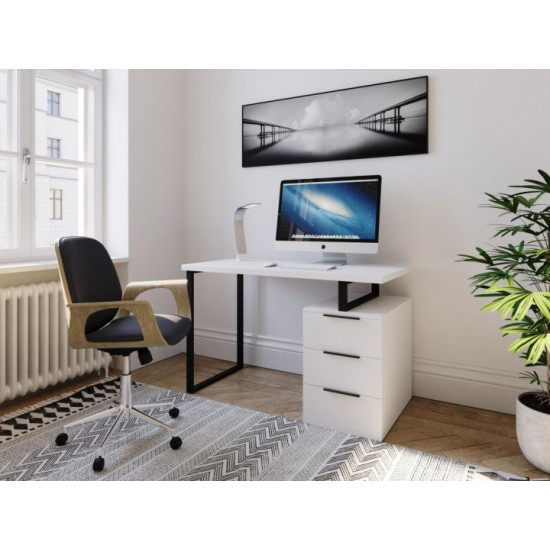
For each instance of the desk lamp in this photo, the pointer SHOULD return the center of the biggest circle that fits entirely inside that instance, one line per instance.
(240, 240)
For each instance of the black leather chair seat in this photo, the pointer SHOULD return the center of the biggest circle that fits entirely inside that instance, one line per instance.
(172, 327)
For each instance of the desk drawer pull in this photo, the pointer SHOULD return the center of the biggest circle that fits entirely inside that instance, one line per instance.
(341, 316)
(342, 354)
(342, 392)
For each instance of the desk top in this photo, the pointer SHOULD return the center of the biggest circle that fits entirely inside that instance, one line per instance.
(353, 273)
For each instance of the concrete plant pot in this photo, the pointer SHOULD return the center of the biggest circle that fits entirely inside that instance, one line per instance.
(533, 432)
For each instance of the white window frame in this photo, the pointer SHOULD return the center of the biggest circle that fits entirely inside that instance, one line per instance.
(90, 207)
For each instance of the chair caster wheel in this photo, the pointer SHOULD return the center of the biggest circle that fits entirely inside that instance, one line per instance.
(61, 439)
(98, 464)
(174, 412)
(175, 442)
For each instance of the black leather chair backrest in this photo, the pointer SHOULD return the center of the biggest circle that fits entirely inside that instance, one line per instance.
(91, 276)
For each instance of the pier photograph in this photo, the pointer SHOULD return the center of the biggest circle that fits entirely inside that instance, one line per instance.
(379, 120)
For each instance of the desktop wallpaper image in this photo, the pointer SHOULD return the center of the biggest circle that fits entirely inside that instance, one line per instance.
(328, 211)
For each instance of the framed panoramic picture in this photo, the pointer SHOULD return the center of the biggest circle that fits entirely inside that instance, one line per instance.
(380, 120)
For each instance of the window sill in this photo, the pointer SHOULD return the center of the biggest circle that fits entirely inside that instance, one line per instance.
(45, 265)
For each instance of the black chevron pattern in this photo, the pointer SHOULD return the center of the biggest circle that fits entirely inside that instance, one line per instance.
(47, 413)
(251, 453)
(220, 443)
(359, 459)
(84, 440)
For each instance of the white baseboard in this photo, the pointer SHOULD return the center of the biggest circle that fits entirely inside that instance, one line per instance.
(482, 388)
(479, 387)
(261, 351)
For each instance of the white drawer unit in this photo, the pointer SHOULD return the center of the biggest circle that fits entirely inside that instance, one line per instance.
(357, 365)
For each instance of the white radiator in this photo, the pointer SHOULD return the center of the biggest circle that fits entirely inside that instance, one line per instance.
(34, 350)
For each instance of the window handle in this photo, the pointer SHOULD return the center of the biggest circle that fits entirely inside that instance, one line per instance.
(26, 164)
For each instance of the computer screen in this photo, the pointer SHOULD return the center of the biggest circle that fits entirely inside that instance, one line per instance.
(340, 215)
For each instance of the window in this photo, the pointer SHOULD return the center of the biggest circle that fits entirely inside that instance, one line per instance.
(53, 103)
(53, 148)
(50, 159)
(56, 204)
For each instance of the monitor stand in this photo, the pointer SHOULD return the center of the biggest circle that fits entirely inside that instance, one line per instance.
(329, 261)
(333, 259)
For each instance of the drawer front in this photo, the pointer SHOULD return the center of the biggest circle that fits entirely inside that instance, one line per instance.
(355, 374)
(343, 333)
(354, 415)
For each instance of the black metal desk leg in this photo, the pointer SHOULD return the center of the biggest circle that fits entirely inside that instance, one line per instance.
(240, 321)
(190, 365)
(344, 304)
(190, 361)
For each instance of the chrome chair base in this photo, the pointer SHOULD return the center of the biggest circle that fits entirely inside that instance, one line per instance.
(124, 410)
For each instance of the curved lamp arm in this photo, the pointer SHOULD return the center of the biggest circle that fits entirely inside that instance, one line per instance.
(240, 240)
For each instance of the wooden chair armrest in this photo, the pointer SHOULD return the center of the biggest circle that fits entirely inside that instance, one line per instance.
(142, 310)
(178, 287)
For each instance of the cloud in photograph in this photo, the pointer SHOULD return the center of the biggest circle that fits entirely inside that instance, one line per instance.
(329, 110)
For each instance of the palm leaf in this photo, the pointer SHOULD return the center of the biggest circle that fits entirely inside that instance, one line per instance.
(522, 343)
(542, 301)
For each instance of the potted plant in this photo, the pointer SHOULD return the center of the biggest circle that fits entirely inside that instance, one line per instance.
(516, 279)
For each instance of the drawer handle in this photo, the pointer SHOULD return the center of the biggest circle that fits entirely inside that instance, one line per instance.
(342, 392)
(341, 316)
(342, 354)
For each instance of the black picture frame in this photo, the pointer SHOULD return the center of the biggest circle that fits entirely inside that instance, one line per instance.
(377, 120)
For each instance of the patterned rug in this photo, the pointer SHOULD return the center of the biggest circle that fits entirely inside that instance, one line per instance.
(220, 443)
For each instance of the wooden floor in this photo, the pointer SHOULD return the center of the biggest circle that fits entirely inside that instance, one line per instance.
(472, 435)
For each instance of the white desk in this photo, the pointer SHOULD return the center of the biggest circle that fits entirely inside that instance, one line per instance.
(344, 275)
(356, 273)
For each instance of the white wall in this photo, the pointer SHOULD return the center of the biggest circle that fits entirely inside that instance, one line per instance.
(156, 183)
(488, 130)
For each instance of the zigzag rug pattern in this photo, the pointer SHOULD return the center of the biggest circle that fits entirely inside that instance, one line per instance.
(251, 453)
(24, 421)
(220, 443)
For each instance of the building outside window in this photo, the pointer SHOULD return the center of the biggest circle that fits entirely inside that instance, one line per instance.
(56, 204)
(63, 188)
(53, 103)
(54, 145)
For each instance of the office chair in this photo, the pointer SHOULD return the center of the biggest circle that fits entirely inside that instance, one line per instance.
(101, 316)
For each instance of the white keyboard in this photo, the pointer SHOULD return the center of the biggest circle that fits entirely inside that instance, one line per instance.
(304, 265)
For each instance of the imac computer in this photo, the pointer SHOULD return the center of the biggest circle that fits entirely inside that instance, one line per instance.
(334, 216)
